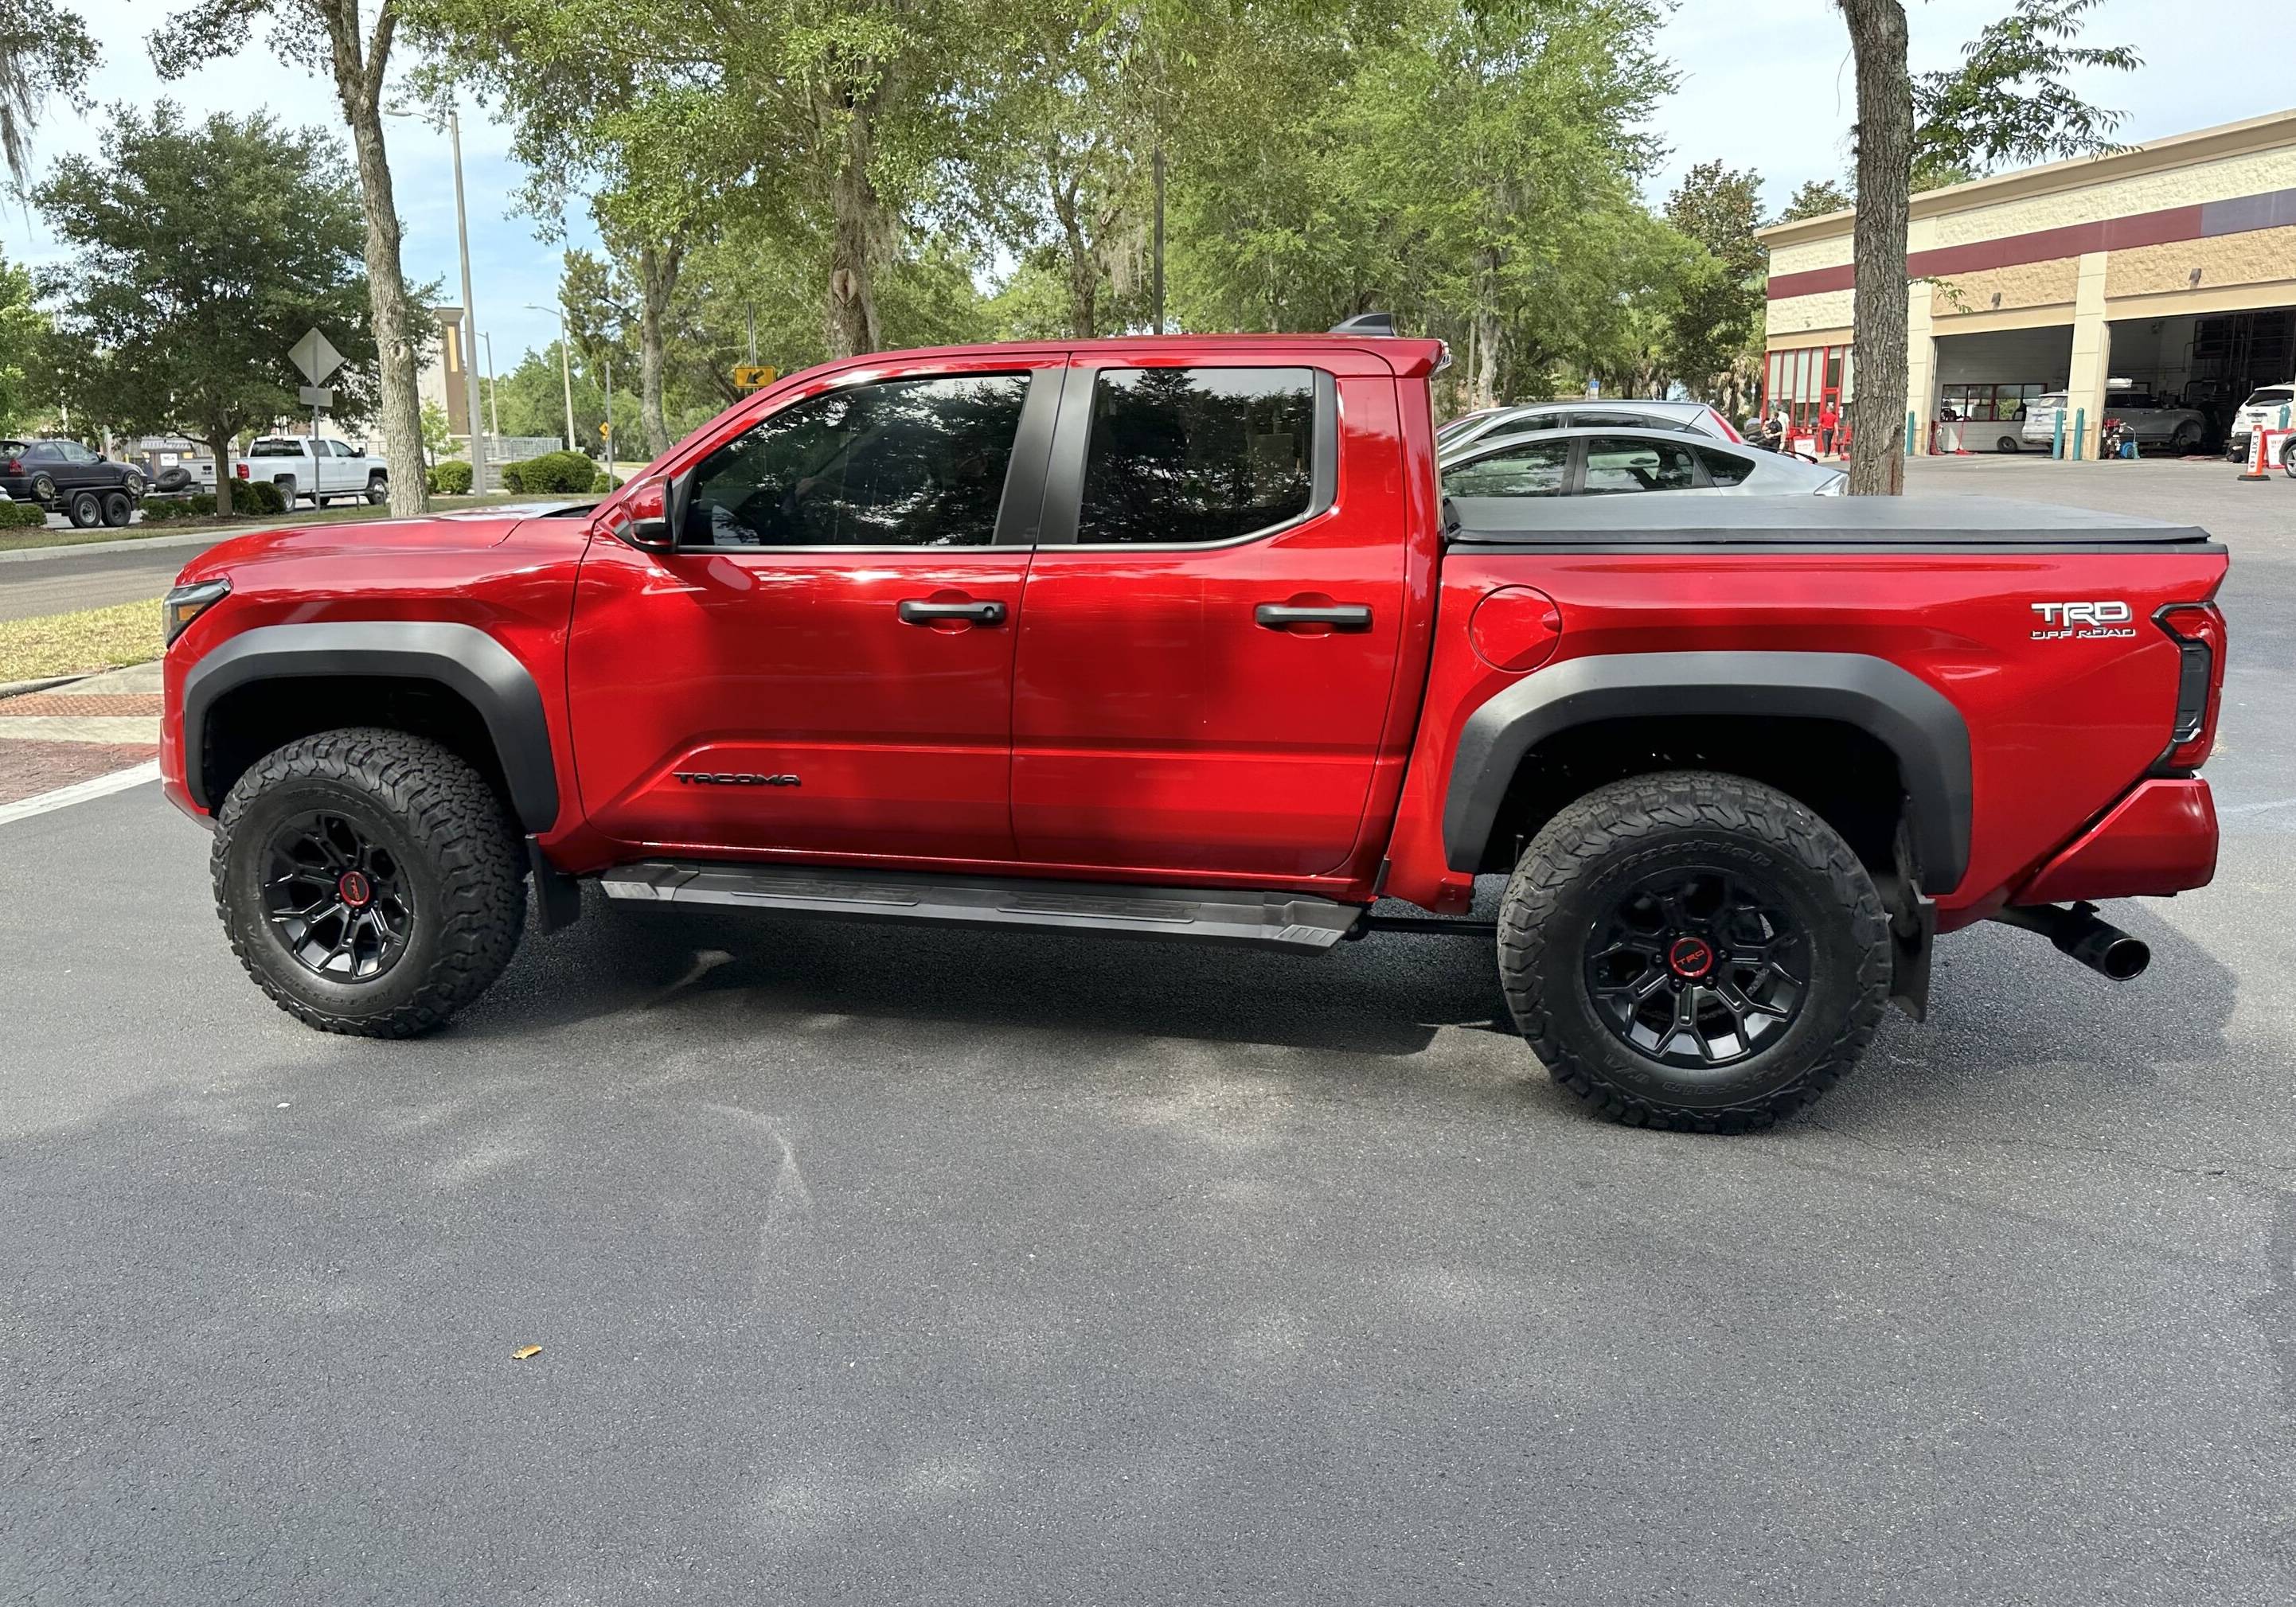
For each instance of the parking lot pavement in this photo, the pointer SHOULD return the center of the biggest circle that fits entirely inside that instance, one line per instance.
(873, 1264)
(65, 578)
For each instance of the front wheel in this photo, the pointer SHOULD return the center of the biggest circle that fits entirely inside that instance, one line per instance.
(2009, 444)
(87, 510)
(1693, 950)
(369, 881)
(378, 490)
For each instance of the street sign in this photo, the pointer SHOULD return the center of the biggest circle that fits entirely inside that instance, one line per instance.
(606, 429)
(316, 356)
(753, 376)
(317, 396)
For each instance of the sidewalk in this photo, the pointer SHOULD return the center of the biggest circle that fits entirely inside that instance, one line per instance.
(93, 727)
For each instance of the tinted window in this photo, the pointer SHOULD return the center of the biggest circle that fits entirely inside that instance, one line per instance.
(2134, 400)
(72, 452)
(277, 445)
(1724, 468)
(2269, 399)
(907, 462)
(1585, 420)
(1616, 464)
(1197, 454)
(42, 452)
(1532, 468)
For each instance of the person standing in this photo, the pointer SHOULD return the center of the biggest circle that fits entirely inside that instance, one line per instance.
(1829, 420)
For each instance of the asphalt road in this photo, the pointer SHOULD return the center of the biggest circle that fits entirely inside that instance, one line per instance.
(95, 575)
(874, 1265)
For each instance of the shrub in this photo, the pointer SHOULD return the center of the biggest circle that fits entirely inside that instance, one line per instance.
(172, 510)
(552, 471)
(602, 482)
(13, 514)
(256, 496)
(451, 478)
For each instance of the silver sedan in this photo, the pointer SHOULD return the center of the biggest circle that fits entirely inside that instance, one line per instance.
(1603, 462)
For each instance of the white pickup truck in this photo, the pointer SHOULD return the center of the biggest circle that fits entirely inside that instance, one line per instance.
(321, 470)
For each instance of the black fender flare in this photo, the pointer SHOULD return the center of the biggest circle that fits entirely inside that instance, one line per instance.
(1908, 716)
(461, 658)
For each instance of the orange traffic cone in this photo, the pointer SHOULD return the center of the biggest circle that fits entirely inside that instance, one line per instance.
(2256, 455)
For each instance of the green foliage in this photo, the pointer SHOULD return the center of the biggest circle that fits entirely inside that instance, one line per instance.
(451, 478)
(602, 482)
(45, 49)
(438, 434)
(551, 472)
(257, 496)
(1713, 310)
(23, 337)
(2010, 100)
(1816, 198)
(174, 510)
(15, 515)
(200, 254)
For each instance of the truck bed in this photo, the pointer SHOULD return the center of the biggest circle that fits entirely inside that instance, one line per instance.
(1676, 523)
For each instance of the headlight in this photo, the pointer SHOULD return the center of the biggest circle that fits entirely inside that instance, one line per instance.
(1839, 485)
(186, 603)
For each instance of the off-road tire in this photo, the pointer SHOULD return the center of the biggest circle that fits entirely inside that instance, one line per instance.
(1617, 833)
(448, 833)
(85, 511)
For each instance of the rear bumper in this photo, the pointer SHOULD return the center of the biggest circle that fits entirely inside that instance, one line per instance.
(2159, 839)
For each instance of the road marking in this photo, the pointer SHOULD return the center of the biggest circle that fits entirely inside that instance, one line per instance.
(80, 792)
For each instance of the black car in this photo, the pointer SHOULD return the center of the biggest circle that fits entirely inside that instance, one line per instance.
(65, 477)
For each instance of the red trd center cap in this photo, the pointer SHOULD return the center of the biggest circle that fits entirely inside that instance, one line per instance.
(355, 889)
(1690, 956)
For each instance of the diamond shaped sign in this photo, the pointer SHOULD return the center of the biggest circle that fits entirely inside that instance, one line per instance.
(314, 357)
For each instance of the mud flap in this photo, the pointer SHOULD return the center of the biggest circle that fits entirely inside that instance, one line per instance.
(1913, 931)
(557, 896)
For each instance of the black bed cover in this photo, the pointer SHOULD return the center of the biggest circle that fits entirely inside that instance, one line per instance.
(1688, 521)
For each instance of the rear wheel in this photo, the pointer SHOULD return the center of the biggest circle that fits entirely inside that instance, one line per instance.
(119, 508)
(44, 489)
(1693, 950)
(87, 510)
(378, 490)
(2187, 438)
(2009, 443)
(369, 882)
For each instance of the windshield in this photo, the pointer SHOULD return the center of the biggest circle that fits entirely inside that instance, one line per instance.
(277, 445)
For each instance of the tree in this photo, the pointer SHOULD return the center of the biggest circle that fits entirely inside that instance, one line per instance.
(1816, 198)
(200, 255)
(329, 35)
(24, 331)
(1715, 319)
(43, 48)
(2009, 100)
(1885, 155)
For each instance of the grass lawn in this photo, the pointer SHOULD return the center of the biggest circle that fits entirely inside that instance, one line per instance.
(93, 638)
(17, 540)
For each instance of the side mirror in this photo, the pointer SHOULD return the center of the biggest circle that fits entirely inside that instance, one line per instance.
(648, 516)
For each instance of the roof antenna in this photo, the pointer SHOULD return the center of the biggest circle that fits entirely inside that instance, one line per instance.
(1366, 323)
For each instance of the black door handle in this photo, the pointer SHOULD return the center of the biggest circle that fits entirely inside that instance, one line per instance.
(915, 611)
(1339, 616)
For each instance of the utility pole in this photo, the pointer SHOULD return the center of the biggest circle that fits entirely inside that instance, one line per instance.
(470, 316)
(565, 370)
(751, 310)
(1156, 292)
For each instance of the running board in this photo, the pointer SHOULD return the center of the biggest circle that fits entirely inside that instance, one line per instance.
(1284, 920)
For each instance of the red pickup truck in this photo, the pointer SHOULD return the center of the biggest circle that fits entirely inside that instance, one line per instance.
(1178, 638)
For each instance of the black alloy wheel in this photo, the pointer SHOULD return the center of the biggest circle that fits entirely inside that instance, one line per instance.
(335, 898)
(1698, 968)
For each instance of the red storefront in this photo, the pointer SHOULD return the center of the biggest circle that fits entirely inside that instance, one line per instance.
(1804, 381)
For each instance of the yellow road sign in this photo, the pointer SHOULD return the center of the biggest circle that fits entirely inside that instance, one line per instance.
(754, 376)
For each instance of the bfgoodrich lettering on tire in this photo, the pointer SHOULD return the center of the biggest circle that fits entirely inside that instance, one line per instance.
(369, 881)
(1693, 950)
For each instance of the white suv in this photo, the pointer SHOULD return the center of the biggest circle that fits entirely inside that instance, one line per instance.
(2267, 407)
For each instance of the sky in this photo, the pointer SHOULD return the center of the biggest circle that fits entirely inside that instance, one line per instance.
(1763, 84)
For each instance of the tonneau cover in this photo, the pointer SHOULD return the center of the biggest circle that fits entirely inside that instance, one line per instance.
(1797, 522)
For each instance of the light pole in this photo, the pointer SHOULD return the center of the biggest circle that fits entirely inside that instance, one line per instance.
(565, 371)
(469, 312)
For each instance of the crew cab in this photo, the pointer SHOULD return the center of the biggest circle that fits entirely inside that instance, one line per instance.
(322, 469)
(1176, 637)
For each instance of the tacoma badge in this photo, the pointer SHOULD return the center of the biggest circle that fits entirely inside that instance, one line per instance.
(733, 778)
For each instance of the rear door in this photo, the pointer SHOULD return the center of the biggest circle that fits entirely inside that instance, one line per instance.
(1209, 639)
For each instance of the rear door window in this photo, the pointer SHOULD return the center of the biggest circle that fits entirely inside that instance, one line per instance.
(1197, 455)
(1531, 469)
(1615, 464)
(1724, 468)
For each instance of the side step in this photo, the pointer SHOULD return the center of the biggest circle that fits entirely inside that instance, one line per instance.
(1220, 916)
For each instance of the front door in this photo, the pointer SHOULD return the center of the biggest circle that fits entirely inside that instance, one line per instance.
(824, 666)
(1208, 640)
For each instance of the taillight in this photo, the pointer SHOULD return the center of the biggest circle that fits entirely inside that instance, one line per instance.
(240, 470)
(15, 465)
(2198, 629)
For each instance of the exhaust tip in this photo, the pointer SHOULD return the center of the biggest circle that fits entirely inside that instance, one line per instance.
(2124, 958)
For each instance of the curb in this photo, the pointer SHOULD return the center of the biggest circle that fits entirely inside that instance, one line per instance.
(133, 543)
(11, 689)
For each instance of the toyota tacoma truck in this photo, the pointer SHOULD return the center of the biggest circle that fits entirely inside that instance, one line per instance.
(1176, 637)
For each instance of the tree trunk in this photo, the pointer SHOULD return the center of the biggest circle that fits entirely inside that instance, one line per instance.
(857, 225)
(1483, 383)
(658, 267)
(1885, 161)
(219, 443)
(1084, 270)
(359, 67)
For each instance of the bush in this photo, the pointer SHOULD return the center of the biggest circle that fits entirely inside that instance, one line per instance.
(451, 478)
(602, 482)
(13, 514)
(172, 510)
(552, 471)
(256, 496)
